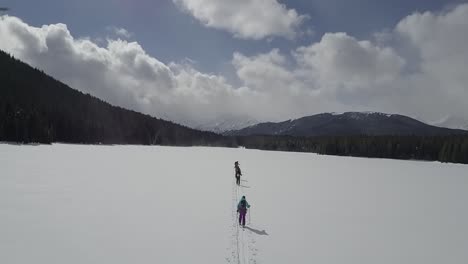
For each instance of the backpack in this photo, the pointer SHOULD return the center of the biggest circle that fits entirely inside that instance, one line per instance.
(243, 203)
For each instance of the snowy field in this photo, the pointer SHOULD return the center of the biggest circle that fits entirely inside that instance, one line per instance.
(72, 204)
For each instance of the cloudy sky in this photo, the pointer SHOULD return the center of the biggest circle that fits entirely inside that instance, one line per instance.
(195, 61)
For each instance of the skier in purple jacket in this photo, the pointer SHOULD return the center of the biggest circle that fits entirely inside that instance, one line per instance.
(242, 210)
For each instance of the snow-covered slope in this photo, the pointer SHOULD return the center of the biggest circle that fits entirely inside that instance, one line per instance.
(133, 204)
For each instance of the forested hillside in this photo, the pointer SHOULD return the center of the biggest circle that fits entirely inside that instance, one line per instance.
(37, 108)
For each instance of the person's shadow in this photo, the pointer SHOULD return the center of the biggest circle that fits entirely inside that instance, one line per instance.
(258, 232)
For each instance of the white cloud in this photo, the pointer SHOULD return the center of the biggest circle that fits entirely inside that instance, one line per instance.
(439, 83)
(248, 19)
(120, 32)
(334, 74)
(121, 73)
(419, 69)
(284, 91)
(264, 72)
(341, 61)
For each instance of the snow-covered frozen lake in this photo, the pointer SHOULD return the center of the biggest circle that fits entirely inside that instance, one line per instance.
(135, 204)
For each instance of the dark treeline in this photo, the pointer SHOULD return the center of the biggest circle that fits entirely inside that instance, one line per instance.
(35, 108)
(442, 148)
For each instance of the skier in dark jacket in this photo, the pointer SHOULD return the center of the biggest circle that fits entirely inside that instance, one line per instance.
(242, 207)
(238, 172)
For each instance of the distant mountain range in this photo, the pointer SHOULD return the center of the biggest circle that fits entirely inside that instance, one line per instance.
(346, 124)
(226, 123)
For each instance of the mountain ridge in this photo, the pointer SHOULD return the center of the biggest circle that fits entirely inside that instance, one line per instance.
(346, 124)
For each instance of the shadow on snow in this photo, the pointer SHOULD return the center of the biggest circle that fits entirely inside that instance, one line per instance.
(258, 232)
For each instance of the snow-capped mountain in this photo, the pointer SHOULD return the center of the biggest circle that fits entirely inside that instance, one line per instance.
(227, 123)
(348, 123)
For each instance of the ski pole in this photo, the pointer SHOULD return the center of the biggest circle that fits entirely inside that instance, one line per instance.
(250, 219)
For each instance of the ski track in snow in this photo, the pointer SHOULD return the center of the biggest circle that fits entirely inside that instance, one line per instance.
(242, 249)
